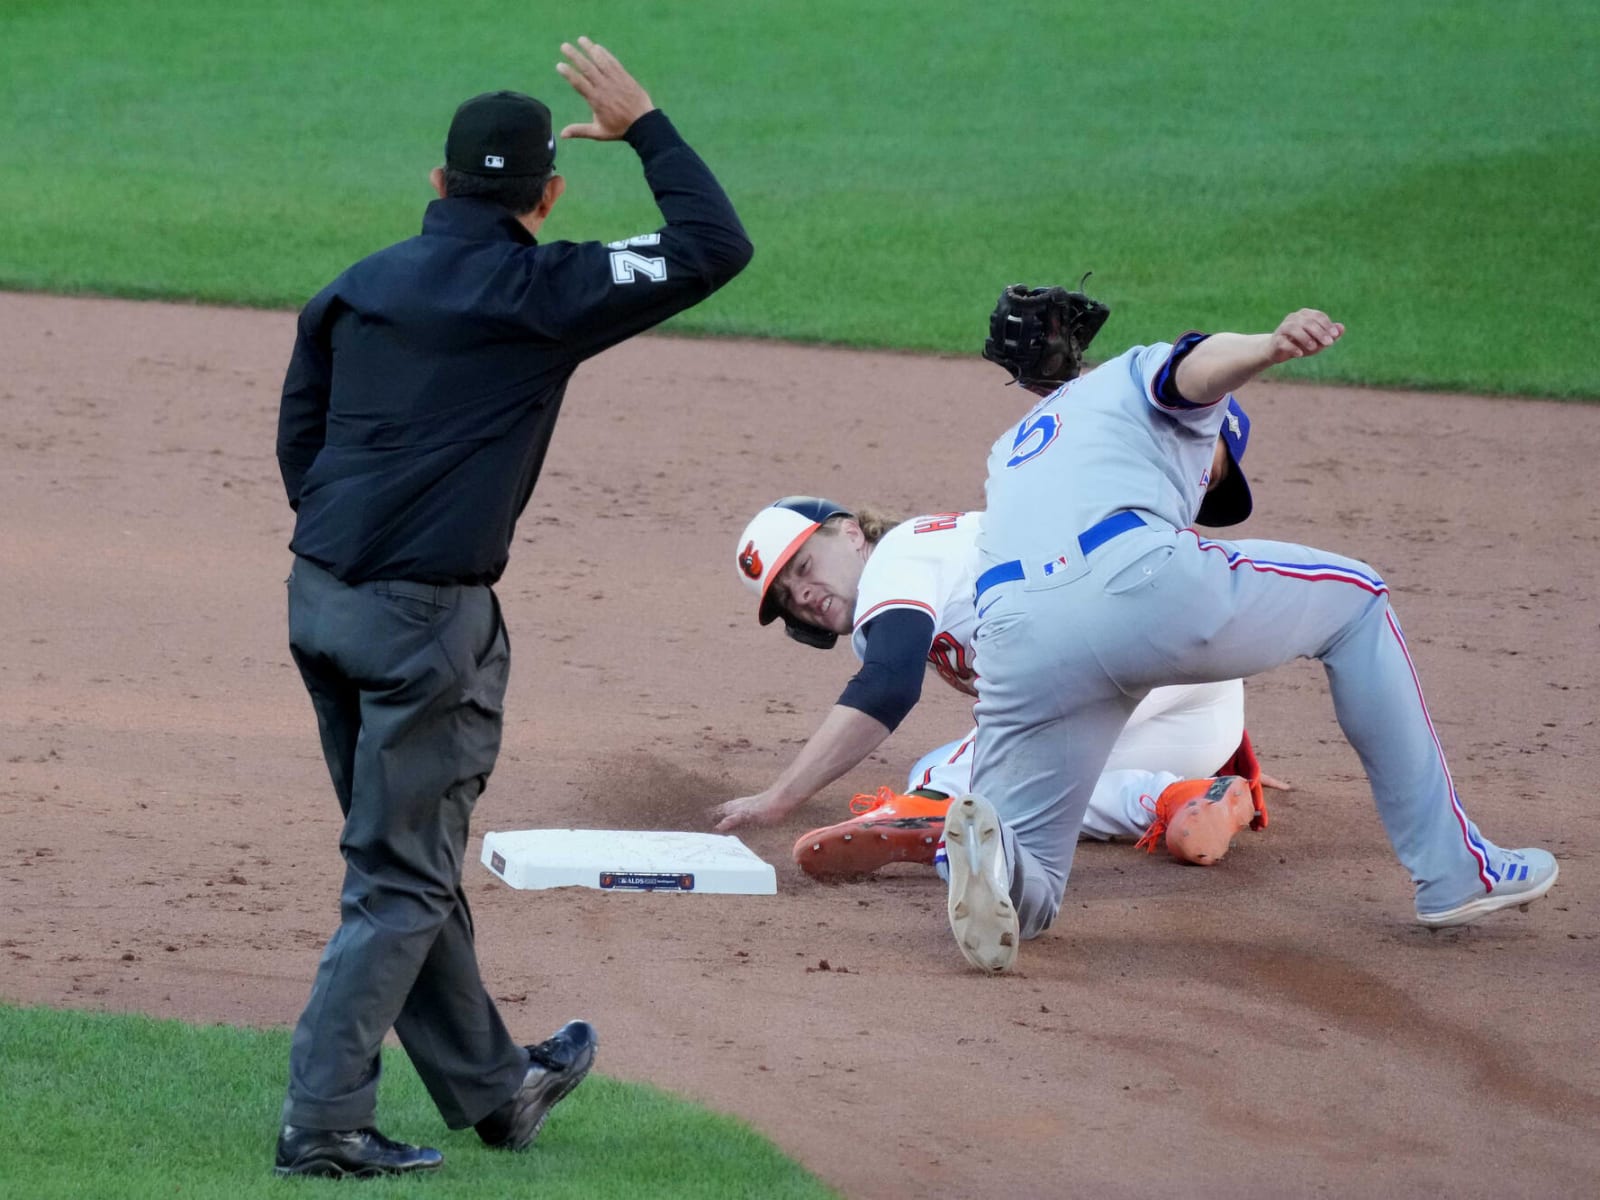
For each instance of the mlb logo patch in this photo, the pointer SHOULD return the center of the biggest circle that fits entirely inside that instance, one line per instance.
(493, 160)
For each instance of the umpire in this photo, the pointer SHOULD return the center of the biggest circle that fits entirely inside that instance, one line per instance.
(417, 409)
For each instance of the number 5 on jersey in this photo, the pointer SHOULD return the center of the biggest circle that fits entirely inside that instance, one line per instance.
(1034, 436)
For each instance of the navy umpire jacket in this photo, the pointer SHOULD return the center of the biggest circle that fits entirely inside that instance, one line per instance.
(427, 378)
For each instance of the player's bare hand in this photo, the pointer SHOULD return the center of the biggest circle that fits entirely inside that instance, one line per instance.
(1275, 785)
(614, 96)
(1304, 333)
(750, 812)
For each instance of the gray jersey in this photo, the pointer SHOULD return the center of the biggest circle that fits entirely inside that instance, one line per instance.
(1092, 591)
(1102, 443)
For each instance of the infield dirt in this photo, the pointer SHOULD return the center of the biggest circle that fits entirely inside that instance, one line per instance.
(1276, 1026)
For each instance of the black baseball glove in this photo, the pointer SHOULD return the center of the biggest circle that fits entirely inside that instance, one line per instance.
(1040, 334)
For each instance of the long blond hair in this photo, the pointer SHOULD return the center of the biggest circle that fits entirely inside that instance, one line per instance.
(874, 522)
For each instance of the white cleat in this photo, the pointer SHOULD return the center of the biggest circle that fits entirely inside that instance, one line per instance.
(982, 916)
(1525, 875)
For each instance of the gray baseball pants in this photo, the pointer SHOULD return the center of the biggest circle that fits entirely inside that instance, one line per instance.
(1062, 660)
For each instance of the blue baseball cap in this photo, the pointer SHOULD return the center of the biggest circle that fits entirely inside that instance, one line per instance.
(1229, 502)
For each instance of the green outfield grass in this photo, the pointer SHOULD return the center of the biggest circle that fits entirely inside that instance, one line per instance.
(1429, 173)
(123, 1106)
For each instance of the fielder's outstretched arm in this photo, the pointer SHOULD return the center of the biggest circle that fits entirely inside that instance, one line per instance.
(1225, 361)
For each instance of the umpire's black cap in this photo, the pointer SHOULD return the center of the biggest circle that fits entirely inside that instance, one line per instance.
(500, 135)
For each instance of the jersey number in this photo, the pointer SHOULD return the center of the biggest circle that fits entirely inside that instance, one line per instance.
(627, 266)
(1034, 437)
(950, 660)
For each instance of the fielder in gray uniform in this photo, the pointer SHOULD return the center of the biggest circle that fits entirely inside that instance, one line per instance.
(1092, 590)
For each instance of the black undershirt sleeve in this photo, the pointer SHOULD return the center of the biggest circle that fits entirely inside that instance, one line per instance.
(893, 663)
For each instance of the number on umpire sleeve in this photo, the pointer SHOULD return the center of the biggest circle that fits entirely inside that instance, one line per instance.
(627, 266)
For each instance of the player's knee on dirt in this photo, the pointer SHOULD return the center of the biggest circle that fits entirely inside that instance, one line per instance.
(1039, 904)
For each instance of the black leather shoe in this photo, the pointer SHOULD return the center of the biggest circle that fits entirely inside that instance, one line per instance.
(555, 1066)
(353, 1153)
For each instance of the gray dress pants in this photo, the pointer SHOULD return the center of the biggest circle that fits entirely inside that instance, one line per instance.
(407, 681)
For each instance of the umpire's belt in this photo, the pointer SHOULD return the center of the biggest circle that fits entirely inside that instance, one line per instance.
(1095, 536)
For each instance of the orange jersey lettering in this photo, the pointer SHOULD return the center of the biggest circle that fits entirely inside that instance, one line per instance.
(937, 522)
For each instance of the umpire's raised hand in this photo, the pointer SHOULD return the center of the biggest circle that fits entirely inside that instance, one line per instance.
(613, 95)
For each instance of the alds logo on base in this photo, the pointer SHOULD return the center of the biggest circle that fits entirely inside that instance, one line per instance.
(646, 881)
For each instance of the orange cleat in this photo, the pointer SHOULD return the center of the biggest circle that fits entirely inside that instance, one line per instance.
(887, 828)
(1200, 817)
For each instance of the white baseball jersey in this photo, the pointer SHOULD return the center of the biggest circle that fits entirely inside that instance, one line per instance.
(928, 564)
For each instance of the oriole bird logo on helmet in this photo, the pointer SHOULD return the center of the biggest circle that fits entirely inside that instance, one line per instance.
(765, 547)
(750, 560)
